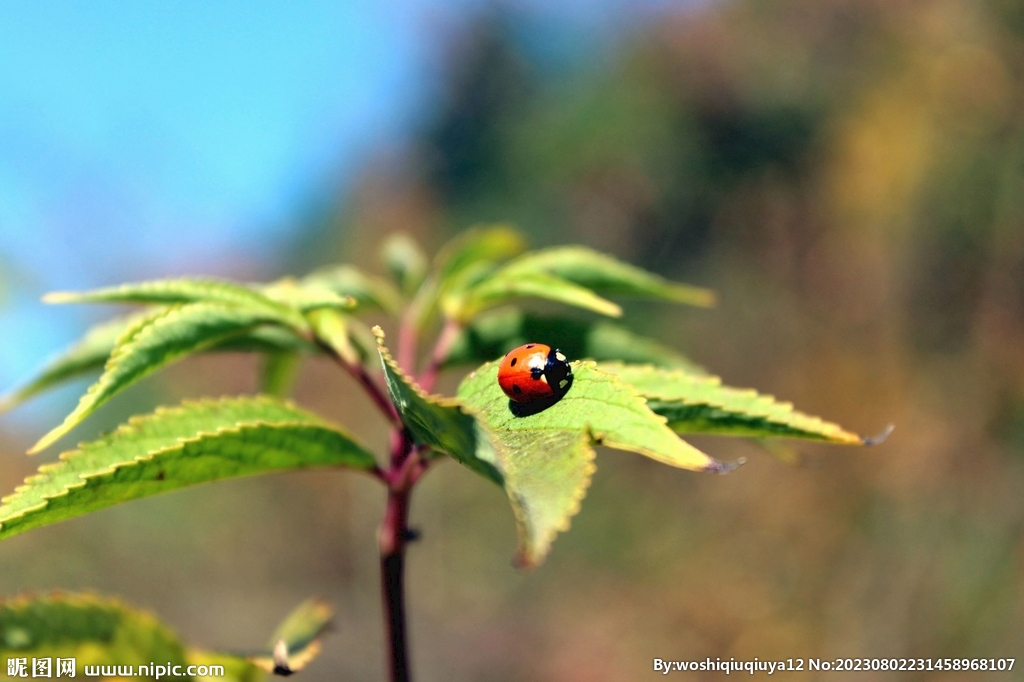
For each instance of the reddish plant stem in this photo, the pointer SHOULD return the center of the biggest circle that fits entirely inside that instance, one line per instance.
(406, 466)
(376, 393)
(394, 531)
(393, 536)
(406, 355)
(449, 333)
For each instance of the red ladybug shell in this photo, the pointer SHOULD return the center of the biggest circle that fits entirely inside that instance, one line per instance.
(534, 372)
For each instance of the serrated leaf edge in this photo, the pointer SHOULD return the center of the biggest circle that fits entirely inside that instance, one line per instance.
(132, 425)
(439, 400)
(843, 437)
(525, 558)
(598, 438)
(122, 348)
(247, 294)
(436, 399)
(86, 598)
(119, 345)
(278, 291)
(31, 388)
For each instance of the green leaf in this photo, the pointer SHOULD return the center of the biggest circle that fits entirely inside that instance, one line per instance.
(605, 275)
(265, 339)
(100, 631)
(493, 334)
(463, 262)
(297, 639)
(405, 261)
(499, 289)
(332, 329)
(91, 352)
(184, 290)
(303, 625)
(176, 447)
(306, 297)
(440, 423)
(85, 356)
(487, 245)
(466, 261)
(545, 457)
(278, 372)
(367, 291)
(362, 339)
(91, 629)
(467, 282)
(164, 336)
(701, 404)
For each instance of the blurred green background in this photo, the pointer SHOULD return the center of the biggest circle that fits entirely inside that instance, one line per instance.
(849, 175)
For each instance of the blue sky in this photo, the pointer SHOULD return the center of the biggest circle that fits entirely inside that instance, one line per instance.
(141, 139)
(208, 117)
(148, 138)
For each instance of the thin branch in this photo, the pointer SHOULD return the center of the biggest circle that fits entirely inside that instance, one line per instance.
(405, 353)
(449, 333)
(394, 534)
(359, 373)
(410, 468)
(416, 314)
(401, 445)
(380, 474)
(421, 464)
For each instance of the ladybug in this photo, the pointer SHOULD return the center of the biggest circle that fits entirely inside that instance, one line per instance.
(534, 372)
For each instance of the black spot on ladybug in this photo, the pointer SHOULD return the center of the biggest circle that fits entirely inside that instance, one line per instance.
(536, 372)
(513, 363)
(558, 371)
(530, 345)
(515, 387)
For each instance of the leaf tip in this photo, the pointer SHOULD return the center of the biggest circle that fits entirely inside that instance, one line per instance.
(703, 298)
(60, 297)
(45, 442)
(524, 562)
(280, 658)
(873, 440)
(715, 466)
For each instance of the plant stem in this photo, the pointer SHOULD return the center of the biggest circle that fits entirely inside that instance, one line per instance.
(379, 397)
(405, 468)
(406, 356)
(359, 373)
(449, 333)
(394, 534)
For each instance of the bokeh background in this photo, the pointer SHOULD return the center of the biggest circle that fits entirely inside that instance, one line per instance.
(848, 174)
